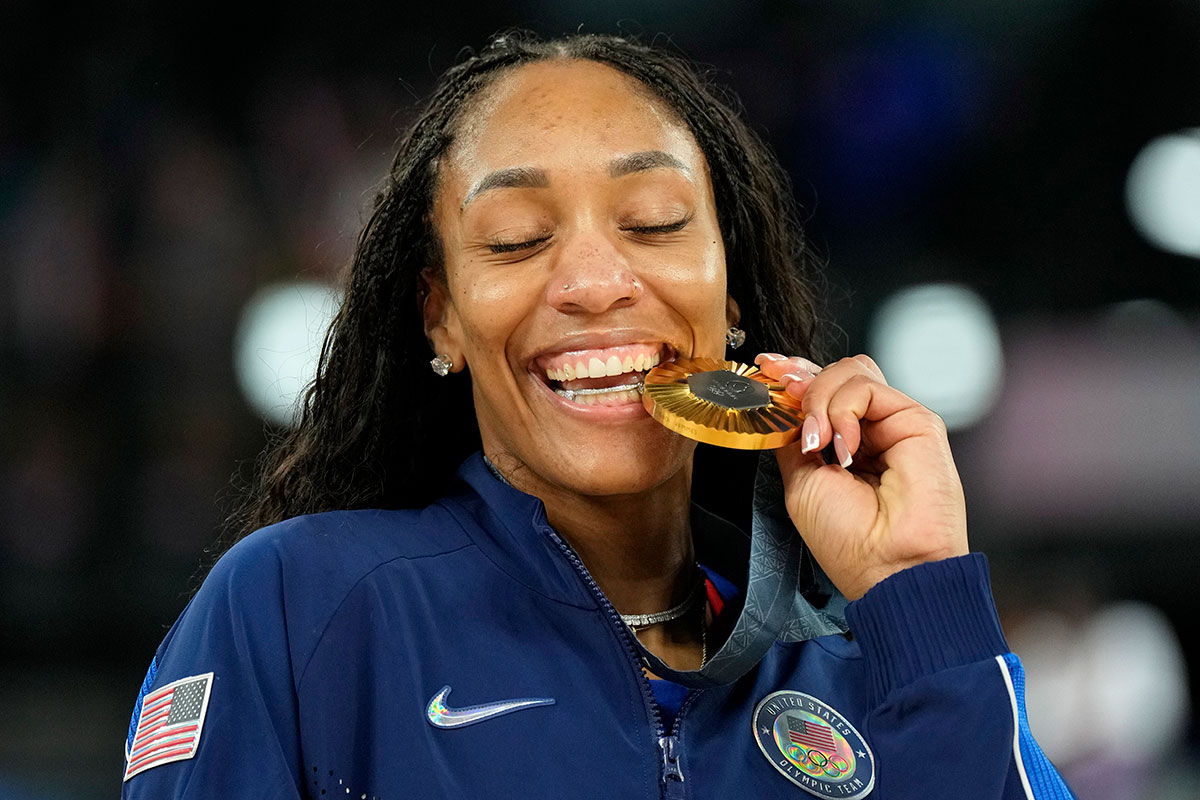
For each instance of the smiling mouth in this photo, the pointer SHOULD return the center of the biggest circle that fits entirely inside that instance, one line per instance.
(612, 376)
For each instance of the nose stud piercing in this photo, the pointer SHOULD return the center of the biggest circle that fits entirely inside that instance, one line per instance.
(635, 286)
(442, 365)
(735, 337)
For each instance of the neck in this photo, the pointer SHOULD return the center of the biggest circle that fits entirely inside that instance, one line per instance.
(637, 547)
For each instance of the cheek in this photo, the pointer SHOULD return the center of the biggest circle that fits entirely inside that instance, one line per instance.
(703, 291)
(699, 267)
(716, 294)
(491, 307)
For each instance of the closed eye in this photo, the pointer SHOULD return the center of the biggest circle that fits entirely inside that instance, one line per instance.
(516, 247)
(670, 227)
(501, 248)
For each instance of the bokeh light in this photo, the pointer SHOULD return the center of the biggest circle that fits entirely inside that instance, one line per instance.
(1107, 693)
(1162, 193)
(278, 344)
(939, 344)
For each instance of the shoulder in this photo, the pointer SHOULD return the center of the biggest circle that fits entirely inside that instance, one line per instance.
(346, 542)
(292, 576)
(313, 560)
(273, 593)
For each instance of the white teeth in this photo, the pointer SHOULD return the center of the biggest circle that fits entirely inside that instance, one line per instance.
(595, 368)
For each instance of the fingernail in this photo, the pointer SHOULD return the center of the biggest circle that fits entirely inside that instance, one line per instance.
(812, 367)
(841, 451)
(811, 433)
(793, 377)
(772, 357)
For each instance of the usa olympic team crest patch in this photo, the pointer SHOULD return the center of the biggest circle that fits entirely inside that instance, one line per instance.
(814, 746)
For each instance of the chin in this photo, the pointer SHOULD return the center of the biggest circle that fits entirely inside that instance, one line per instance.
(628, 467)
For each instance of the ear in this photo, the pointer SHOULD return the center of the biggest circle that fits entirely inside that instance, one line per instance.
(733, 314)
(440, 319)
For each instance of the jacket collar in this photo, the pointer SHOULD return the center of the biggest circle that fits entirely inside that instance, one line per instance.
(787, 596)
(511, 529)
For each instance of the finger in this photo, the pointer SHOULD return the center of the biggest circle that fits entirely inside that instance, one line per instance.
(799, 468)
(795, 464)
(776, 366)
(840, 434)
(862, 401)
(868, 363)
(881, 435)
(842, 451)
(847, 405)
(796, 383)
(859, 388)
(810, 435)
(814, 396)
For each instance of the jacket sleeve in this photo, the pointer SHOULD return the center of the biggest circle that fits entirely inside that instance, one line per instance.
(948, 718)
(236, 734)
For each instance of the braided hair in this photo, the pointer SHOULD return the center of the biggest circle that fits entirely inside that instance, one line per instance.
(377, 428)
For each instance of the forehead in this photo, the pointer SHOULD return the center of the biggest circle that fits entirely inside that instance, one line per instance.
(568, 114)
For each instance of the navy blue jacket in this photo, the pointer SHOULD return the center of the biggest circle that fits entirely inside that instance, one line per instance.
(325, 643)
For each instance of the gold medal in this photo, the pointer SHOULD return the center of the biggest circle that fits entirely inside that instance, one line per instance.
(723, 403)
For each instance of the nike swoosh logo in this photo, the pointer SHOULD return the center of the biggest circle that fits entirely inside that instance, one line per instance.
(441, 715)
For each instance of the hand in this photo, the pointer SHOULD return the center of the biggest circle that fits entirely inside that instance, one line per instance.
(894, 500)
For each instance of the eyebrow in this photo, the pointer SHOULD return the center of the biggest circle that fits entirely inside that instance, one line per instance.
(510, 178)
(535, 178)
(647, 159)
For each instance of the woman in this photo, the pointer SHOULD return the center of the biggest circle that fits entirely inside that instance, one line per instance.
(562, 217)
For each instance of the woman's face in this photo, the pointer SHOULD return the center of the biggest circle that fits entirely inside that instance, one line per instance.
(579, 233)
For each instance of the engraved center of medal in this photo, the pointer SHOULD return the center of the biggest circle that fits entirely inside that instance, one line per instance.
(729, 390)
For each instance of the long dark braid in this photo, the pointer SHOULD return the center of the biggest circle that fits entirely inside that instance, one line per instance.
(377, 428)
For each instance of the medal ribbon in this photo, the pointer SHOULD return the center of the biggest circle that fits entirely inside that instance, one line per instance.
(781, 603)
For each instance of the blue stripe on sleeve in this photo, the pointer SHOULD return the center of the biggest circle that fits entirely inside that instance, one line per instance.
(151, 674)
(1044, 781)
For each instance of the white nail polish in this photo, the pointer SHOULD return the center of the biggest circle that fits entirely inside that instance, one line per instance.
(812, 435)
(842, 451)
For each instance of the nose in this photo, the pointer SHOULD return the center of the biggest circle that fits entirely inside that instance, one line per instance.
(592, 277)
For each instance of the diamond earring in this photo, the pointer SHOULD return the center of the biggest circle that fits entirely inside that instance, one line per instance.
(735, 337)
(442, 364)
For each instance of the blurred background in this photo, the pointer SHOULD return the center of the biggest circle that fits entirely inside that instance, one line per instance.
(1007, 195)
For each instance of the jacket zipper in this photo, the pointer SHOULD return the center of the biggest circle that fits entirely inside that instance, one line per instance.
(671, 773)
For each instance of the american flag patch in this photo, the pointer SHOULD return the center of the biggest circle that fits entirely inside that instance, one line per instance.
(811, 734)
(169, 724)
